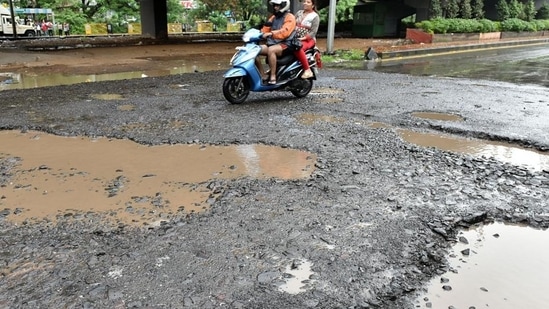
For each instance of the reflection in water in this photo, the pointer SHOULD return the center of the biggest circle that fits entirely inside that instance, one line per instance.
(519, 65)
(300, 272)
(500, 151)
(494, 266)
(55, 174)
(24, 81)
(438, 116)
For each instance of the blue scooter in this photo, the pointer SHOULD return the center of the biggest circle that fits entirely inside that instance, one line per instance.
(244, 76)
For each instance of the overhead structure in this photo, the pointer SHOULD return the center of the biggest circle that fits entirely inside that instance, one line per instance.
(154, 19)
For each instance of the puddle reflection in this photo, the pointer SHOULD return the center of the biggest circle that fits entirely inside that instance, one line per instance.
(517, 65)
(438, 116)
(504, 152)
(29, 81)
(56, 174)
(501, 266)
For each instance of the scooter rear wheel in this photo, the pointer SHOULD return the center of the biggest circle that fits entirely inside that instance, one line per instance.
(236, 89)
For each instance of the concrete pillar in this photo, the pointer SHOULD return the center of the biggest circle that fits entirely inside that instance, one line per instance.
(154, 19)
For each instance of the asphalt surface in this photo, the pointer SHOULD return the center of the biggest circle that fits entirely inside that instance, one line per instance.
(373, 222)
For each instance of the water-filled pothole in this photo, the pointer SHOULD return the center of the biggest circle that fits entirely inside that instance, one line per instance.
(107, 96)
(29, 81)
(53, 175)
(298, 276)
(505, 152)
(309, 118)
(494, 266)
(438, 116)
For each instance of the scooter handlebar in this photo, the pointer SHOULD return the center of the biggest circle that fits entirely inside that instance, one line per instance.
(257, 38)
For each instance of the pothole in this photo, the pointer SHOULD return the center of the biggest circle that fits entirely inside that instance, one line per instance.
(438, 116)
(504, 152)
(493, 266)
(297, 277)
(309, 118)
(107, 96)
(55, 175)
(9, 81)
(126, 108)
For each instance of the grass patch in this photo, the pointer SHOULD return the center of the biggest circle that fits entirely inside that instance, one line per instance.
(344, 55)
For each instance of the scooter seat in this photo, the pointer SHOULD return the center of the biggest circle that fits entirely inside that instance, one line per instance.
(287, 57)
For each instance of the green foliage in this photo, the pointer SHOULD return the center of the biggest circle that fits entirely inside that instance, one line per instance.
(541, 24)
(175, 11)
(435, 9)
(219, 20)
(457, 25)
(516, 25)
(502, 9)
(515, 9)
(487, 25)
(452, 9)
(529, 10)
(465, 10)
(543, 12)
(477, 9)
(344, 12)
(344, 55)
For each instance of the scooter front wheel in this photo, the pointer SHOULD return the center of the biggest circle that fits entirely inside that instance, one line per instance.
(236, 89)
(302, 87)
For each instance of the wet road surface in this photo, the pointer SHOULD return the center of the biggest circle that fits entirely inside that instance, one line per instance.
(520, 65)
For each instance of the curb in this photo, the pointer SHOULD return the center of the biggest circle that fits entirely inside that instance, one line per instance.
(457, 48)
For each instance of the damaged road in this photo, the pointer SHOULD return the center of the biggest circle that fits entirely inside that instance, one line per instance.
(369, 227)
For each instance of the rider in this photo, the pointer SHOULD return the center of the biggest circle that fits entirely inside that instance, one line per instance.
(277, 30)
(307, 27)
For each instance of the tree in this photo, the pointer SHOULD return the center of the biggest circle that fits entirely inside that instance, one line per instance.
(466, 11)
(344, 11)
(502, 9)
(478, 9)
(529, 10)
(175, 11)
(543, 12)
(435, 9)
(452, 9)
(515, 9)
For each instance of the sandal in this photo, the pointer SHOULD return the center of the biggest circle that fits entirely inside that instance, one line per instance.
(272, 82)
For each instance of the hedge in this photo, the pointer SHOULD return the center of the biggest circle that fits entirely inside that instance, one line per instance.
(459, 25)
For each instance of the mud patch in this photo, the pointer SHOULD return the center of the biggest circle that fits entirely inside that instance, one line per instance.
(493, 266)
(53, 175)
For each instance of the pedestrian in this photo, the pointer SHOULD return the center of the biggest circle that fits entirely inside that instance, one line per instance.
(66, 28)
(307, 21)
(44, 28)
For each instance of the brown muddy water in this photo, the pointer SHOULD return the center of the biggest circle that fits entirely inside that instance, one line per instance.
(133, 183)
(10, 81)
(494, 266)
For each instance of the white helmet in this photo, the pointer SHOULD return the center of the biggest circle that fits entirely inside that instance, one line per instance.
(284, 4)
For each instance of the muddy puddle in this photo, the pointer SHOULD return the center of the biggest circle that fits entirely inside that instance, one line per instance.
(504, 152)
(132, 183)
(14, 80)
(494, 266)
